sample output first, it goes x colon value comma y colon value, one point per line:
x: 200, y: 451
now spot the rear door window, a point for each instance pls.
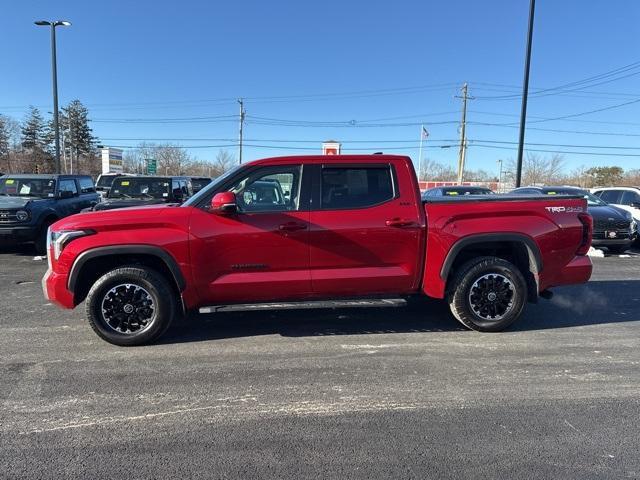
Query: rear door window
x: 355, y: 187
x: 68, y: 185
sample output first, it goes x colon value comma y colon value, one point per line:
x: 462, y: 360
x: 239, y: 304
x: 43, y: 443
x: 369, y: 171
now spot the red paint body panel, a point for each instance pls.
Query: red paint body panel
x: 244, y: 258
x: 396, y: 247
x: 356, y: 252
x: 557, y: 235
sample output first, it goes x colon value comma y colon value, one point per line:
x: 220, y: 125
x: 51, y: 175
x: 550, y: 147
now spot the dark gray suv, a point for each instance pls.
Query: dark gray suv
x: 30, y: 203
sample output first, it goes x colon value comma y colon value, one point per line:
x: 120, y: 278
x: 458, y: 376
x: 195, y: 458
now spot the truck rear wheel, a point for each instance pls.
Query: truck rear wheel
x: 487, y: 294
x: 131, y: 306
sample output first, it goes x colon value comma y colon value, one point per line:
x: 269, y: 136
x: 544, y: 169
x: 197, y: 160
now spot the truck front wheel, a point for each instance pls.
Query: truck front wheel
x: 487, y: 294
x: 131, y: 306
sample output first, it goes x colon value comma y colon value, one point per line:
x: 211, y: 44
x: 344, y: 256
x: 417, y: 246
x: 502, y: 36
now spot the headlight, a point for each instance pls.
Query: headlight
x: 22, y: 215
x: 61, y: 238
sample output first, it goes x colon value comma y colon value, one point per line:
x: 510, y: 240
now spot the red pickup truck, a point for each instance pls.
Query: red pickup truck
x: 309, y: 231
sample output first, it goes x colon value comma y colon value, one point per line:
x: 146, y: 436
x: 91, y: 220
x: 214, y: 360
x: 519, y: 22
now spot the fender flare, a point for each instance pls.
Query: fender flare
x: 533, y: 251
x: 112, y: 250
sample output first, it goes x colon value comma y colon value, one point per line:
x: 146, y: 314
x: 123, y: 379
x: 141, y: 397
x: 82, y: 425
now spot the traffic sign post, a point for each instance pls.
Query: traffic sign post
x: 152, y: 166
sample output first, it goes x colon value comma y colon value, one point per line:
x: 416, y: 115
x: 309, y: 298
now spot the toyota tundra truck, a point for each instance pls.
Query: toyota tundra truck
x: 315, y: 231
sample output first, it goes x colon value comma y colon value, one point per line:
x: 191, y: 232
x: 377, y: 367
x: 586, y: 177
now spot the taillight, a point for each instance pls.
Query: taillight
x: 587, y: 233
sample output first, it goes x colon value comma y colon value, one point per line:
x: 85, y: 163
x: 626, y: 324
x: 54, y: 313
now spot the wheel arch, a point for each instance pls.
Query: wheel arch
x: 93, y: 263
x: 519, y: 249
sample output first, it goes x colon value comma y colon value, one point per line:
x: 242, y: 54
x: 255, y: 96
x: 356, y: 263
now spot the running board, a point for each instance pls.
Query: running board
x: 246, y: 307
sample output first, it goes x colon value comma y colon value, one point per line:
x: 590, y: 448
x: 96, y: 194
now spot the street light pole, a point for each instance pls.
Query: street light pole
x: 525, y: 93
x: 54, y: 74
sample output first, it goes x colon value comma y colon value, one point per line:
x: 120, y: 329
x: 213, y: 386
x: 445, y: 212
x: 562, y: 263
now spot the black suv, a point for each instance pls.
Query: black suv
x: 142, y: 190
x: 30, y: 203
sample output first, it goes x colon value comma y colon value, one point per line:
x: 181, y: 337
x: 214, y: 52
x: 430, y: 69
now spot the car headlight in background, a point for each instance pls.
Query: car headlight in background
x: 22, y: 215
x: 61, y: 238
x: 632, y: 223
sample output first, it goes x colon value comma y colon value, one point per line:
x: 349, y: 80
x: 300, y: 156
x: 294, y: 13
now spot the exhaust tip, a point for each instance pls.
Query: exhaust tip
x: 546, y: 294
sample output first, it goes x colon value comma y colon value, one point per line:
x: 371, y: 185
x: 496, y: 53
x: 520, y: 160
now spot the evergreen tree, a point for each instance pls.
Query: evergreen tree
x: 78, y: 134
x: 33, y: 131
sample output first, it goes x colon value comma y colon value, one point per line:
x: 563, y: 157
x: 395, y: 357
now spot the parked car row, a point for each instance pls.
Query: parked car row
x: 30, y: 203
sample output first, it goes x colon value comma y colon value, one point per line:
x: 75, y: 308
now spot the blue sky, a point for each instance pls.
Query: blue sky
x: 335, y: 69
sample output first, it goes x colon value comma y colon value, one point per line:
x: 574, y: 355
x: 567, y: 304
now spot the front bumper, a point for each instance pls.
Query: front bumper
x: 54, y: 287
x: 18, y: 233
x: 605, y: 242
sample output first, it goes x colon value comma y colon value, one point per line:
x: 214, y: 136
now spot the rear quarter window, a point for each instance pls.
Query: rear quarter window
x: 610, y: 196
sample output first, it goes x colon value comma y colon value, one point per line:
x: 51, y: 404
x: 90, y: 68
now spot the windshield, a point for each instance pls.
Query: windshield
x: 593, y: 201
x: 28, y: 187
x: 105, y: 181
x: 212, y: 186
x: 140, y: 187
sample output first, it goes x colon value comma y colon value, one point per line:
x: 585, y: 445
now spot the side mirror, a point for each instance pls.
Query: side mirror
x: 224, y: 203
x: 635, y: 204
x: 66, y: 194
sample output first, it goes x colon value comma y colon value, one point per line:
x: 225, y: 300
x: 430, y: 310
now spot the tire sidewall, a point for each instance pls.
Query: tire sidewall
x: 469, y: 277
x: 153, y: 283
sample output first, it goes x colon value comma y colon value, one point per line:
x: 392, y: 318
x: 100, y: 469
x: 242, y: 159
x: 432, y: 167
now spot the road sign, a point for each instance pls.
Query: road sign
x: 331, y: 147
x: 152, y: 166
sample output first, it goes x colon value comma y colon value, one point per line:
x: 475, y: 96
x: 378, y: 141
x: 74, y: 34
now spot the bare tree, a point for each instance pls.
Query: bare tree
x: 632, y: 177
x: 170, y: 159
x: 224, y: 161
x: 539, y: 170
x: 435, y: 171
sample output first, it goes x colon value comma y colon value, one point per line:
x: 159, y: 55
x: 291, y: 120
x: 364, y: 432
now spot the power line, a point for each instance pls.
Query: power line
x: 584, y: 82
x: 563, y: 151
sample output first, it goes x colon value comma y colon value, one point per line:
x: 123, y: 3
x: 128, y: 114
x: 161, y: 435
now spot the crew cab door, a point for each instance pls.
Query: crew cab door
x: 260, y: 253
x: 365, y: 231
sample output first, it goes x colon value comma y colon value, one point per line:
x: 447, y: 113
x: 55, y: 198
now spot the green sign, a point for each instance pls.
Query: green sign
x: 152, y: 166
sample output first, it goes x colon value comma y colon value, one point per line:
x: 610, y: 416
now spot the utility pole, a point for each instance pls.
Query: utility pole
x: 463, y: 132
x: 242, y: 114
x: 525, y: 93
x: 54, y: 81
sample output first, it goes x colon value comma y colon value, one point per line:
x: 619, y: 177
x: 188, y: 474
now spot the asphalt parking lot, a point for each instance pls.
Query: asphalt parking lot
x: 390, y: 393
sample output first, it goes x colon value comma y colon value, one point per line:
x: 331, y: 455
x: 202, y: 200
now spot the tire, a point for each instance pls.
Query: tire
x: 131, y: 306
x: 618, y: 249
x: 487, y: 294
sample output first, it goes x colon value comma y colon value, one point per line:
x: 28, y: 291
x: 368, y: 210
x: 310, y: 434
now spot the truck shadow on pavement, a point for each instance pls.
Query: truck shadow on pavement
x: 594, y: 303
x: 20, y: 250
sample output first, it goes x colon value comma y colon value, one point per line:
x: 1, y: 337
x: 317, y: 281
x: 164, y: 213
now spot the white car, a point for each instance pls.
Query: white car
x: 627, y: 198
